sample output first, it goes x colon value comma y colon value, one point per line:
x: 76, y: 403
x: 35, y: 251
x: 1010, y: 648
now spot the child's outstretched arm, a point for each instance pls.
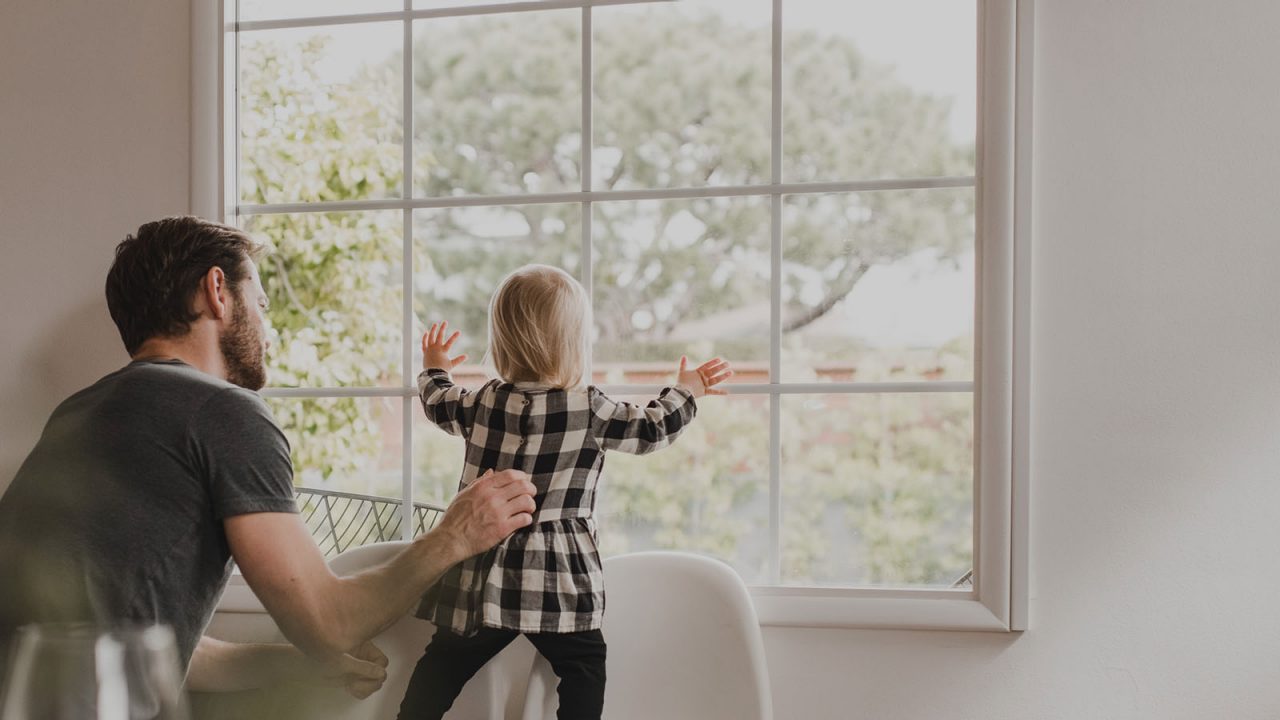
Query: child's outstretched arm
x: 448, y: 406
x: 639, y: 430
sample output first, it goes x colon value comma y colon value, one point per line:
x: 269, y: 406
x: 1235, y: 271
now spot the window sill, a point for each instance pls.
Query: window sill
x: 900, y: 609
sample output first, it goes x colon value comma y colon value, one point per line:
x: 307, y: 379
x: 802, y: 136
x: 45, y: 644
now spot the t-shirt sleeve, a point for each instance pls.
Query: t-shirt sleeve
x: 243, y: 454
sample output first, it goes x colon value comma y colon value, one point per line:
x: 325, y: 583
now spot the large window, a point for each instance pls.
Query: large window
x: 823, y: 193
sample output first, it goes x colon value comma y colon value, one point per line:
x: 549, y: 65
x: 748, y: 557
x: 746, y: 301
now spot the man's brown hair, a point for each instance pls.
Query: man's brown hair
x: 153, y: 280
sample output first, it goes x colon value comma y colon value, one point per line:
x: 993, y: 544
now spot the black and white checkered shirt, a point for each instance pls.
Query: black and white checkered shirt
x: 546, y: 577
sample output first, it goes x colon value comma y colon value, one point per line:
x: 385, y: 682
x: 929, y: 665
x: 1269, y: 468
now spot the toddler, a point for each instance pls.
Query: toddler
x: 545, y: 580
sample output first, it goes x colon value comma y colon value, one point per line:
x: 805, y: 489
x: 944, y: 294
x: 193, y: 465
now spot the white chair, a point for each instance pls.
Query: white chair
x: 495, y: 693
x: 684, y: 644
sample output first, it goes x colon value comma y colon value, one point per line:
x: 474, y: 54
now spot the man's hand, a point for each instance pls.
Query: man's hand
x: 435, y: 348
x: 703, y: 379
x: 484, y: 513
x: 361, y: 671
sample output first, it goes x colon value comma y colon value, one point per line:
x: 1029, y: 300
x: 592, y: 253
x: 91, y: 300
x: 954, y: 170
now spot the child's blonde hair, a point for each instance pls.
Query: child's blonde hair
x: 539, y: 321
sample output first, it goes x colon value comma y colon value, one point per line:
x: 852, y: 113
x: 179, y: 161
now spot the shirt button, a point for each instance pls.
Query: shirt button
x: 526, y: 401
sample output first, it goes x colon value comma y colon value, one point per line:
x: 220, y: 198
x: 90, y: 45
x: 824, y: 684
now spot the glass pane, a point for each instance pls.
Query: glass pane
x: 497, y: 104
x: 878, y: 286
x: 675, y: 277
x: 347, y: 466
x: 437, y: 455
x: 682, y: 94
x: 877, y: 489
x: 708, y: 493
x: 278, y: 9
x: 879, y: 89
x: 335, y: 284
x: 320, y: 114
x: 461, y: 254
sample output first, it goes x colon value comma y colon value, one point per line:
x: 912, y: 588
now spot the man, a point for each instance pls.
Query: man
x: 144, y: 486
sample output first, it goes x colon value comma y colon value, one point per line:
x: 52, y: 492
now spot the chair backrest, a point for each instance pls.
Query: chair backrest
x: 684, y: 643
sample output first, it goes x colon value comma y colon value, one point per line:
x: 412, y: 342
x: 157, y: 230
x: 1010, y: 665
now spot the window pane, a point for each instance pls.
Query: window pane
x: 437, y: 455
x: 878, y: 89
x: 277, y: 9
x: 682, y: 94
x: 497, y: 105
x: 461, y: 254
x: 320, y: 114
x: 334, y: 280
x: 707, y: 493
x: 878, y: 286
x: 675, y: 277
x: 877, y: 489
x: 347, y: 465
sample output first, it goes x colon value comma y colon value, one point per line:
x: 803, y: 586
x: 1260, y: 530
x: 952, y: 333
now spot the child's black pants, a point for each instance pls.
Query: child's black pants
x: 451, y: 660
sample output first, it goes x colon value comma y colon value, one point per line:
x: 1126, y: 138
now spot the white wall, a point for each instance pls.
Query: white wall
x: 94, y: 128
x: 1156, y: 420
x: 1157, y: 414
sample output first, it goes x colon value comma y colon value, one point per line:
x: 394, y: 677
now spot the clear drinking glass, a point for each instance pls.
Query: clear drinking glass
x: 88, y: 672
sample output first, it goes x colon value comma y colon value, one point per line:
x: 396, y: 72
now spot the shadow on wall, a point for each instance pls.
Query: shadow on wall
x: 71, y: 352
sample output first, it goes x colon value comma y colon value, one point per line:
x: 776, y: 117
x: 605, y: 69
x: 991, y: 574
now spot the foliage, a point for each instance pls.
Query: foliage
x: 332, y: 278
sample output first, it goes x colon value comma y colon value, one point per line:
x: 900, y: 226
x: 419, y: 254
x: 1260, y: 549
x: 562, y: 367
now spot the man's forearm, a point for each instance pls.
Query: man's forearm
x: 219, y: 666
x: 365, y: 604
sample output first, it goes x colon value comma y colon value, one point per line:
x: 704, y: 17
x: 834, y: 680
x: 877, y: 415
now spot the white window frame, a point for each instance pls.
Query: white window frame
x: 998, y: 598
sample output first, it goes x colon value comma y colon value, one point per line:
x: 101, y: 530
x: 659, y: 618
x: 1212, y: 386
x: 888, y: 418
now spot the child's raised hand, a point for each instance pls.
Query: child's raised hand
x: 703, y: 379
x: 435, y: 348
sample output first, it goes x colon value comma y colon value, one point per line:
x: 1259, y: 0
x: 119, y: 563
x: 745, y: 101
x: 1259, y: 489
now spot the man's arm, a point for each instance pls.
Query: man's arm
x: 220, y: 666
x: 326, y: 616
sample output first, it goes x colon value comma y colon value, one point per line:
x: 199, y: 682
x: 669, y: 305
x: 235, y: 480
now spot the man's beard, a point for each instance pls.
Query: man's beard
x: 242, y: 350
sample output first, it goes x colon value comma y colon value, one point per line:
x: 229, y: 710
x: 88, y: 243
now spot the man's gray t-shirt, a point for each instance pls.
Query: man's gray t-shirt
x: 116, y: 515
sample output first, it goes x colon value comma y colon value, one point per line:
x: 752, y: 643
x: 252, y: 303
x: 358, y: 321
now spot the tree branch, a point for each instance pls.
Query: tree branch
x: 283, y: 274
x: 690, y: 299
x: 617, y: 172
x: 841, y: 288
x: 706, y: 177
x: 535, y: 224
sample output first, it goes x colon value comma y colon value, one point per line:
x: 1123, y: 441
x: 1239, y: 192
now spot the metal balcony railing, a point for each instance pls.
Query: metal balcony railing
x: 341, y: 520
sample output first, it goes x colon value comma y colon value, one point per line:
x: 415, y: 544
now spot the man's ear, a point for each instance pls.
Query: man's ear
x: 214, y: 294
